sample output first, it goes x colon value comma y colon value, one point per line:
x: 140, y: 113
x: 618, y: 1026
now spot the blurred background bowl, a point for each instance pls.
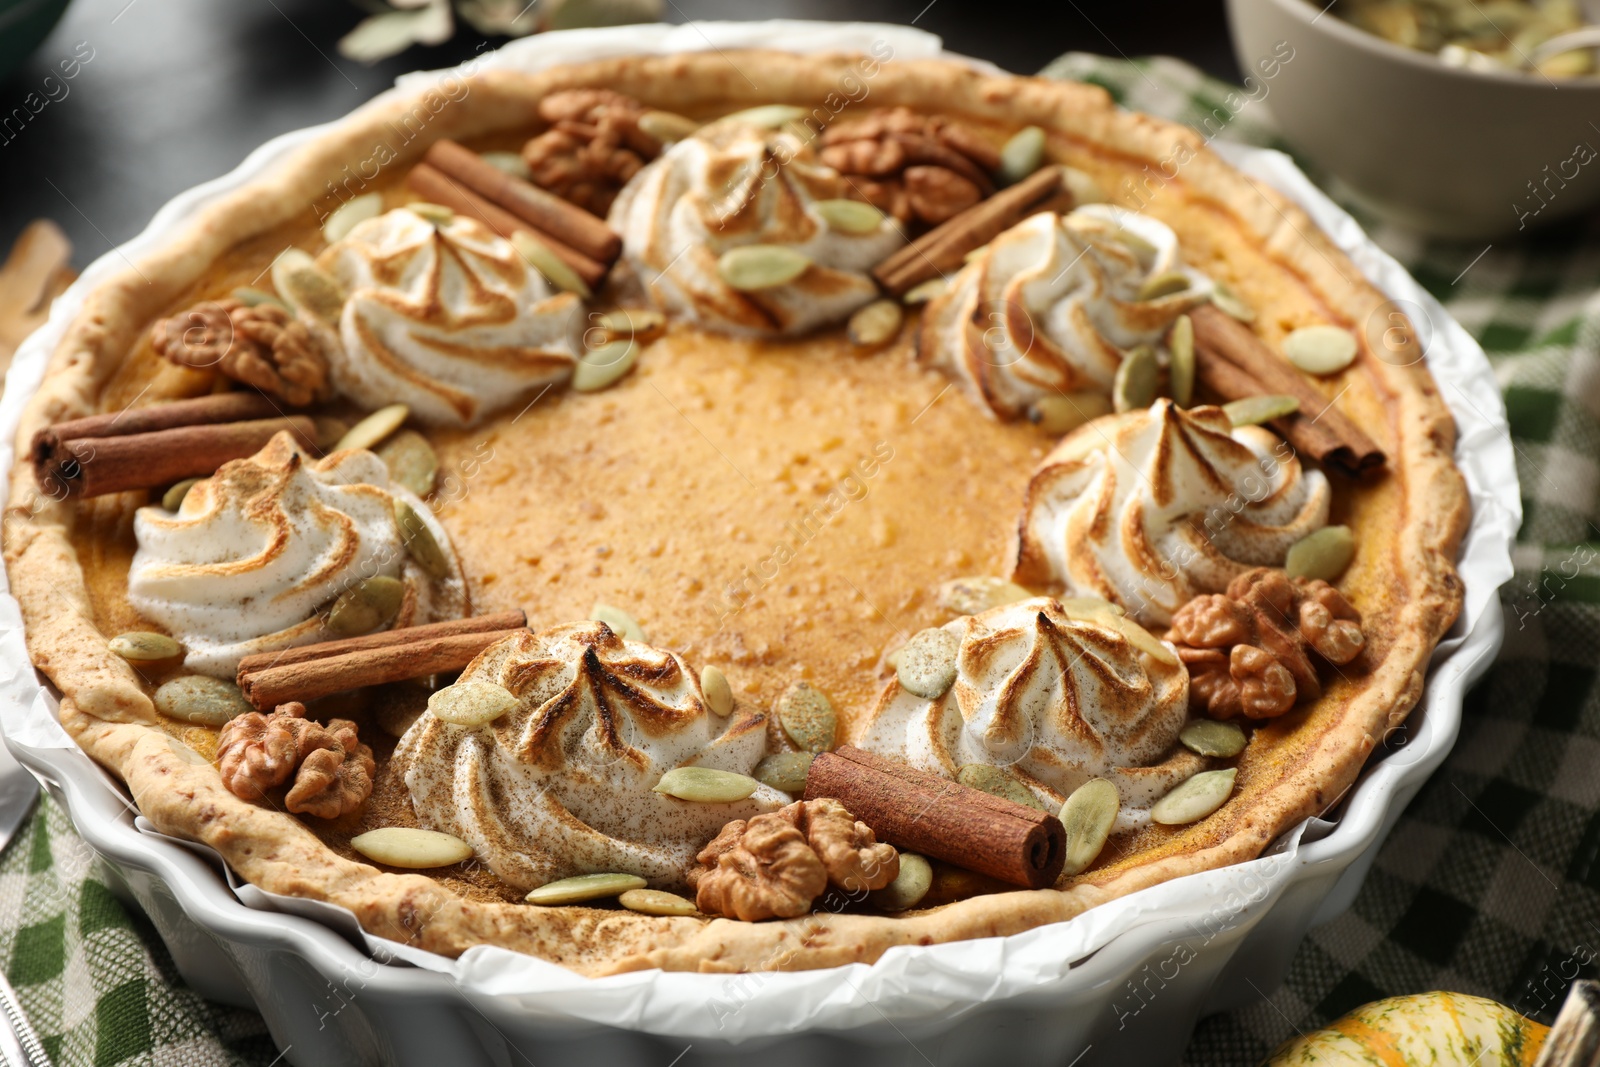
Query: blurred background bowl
x: 23, y: 24
x: 1450, y: 152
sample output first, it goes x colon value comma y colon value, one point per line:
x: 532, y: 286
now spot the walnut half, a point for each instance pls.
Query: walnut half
x: 775, y: 865
x: 331, y: 768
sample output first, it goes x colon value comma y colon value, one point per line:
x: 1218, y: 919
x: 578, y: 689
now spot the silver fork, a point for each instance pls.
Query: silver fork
x: 19, y: 1044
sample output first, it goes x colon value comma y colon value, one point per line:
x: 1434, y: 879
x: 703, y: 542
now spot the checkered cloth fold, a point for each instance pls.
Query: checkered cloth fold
x: 1490, y: 884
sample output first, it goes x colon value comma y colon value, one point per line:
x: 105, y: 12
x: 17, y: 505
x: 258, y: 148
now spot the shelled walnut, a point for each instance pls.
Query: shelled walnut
x: 775, y: 865
x: 914, y: 167
x: 332, y: 770
x: 594, y: 145
x: 1248, y: 650
x: 261, y: 345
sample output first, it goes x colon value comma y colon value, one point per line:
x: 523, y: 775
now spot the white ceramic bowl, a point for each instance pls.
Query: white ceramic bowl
x: 1451, y: 152
x: 1123, y: 983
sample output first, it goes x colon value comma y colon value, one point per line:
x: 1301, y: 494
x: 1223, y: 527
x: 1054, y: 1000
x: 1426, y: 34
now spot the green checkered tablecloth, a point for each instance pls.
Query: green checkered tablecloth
x: 1490, y: 884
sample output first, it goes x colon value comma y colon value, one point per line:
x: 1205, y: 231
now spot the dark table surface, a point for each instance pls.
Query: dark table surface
x: 179, y: 91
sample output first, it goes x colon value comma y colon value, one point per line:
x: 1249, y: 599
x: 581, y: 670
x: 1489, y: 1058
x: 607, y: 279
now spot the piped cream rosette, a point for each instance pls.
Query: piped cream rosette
x: 442, y: 315
x: 734, y: 185
x: 1054, y: 699
x: 1151, y: 508
x: 1049, y: 307
x: 256, y: 553
x: 563, y: 782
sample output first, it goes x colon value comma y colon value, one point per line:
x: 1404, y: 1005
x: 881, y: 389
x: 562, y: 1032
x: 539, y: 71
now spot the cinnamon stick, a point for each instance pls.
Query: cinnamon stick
x: 943, y: 248
x: 440, y: 188
x: 478, y: 624
x: 268, y: 687
x: 218, y: 407
x: 936, y: 817
x: 1232, y: 362
x: 94, y: 466
x: 545, y: 212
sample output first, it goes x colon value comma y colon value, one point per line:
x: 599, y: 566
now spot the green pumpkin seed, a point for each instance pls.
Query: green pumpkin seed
x: 656, y: 902
x: 366, y: 605
x: 769, y: 116
x: 1057, y: 415
x: 996, y: 781
x: 1083, y: 187
x: 508, y: 163
x: 306, y: 286
x: 411, y: 460
x: 1022, y: 154
x: 1135, y: 384
x: 1159, y: 285
x: 420, y: 542
x: 1088, y: 815
x: 970, y: 596
x: 437, y: 214
x: 411, y: 848
x: 718, y: 693
x: 250, y: 297
x: 1324, y: 554
x: 910, y: 885
x: 471, y: 703
x: 201, y: 700
x: 667, y: 126
x: 1229, y: 303
x: 1195, y: 798
x: 555, y: 270
x: 1320, y: 349
x: 374, y: 428
x: 621, y: 623
x: 750, y: 268
x: 1254, y: 410
x: 1142, y: 250
x: 785, y: 770
x: 975, y: 254
x: 641, y: 324
x: 584, y: 887
x: 876, y: 324
x: 706, y: 785
x: 807, y: 716
x: 350, y: 214
x: 849, y: 216
x: 1207, y: 737
x: 923, y: 292
x: 604, y: 365
x: 172, y: 499
x: 1140, y: 638
x: 1180, y: 371
x: 142, y: 646
x: 926, y: 666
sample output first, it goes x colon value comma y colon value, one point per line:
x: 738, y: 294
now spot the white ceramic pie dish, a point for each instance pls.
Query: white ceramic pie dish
x: 1123, y: 983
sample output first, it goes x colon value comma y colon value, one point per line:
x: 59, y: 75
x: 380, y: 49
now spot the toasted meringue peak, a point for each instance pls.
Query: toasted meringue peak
x: 445, y: 317
x: 1056, y: 699
x: 735, y: 184
x: 1151, y: 508
x: 562, y: 784
x: 1051, y: 304
x: 255, y: 551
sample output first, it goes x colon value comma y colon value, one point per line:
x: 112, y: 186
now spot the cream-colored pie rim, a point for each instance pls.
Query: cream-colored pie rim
x: 106, y: 710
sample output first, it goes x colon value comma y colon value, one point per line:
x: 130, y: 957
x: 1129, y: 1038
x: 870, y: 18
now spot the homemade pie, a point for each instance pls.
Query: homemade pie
x: 642, y: 518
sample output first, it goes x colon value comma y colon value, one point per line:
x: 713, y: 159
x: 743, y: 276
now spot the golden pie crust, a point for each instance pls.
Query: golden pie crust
x: 1408, y: 524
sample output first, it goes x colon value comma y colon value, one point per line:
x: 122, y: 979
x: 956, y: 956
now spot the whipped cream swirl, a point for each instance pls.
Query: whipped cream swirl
x: 735, y: 184
x: 447, y: 318
x: 257, y: 549
x: 562, y: 784
x: 1151, y: 508
x: 1051, y: 304
x: 1054, y: 699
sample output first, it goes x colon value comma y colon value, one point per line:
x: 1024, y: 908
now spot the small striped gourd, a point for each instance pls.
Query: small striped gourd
x: 1436, y: 1029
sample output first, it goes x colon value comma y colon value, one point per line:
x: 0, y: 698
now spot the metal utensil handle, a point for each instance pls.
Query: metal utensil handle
x: 1574, y: 1041
x: 21, y: 1027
